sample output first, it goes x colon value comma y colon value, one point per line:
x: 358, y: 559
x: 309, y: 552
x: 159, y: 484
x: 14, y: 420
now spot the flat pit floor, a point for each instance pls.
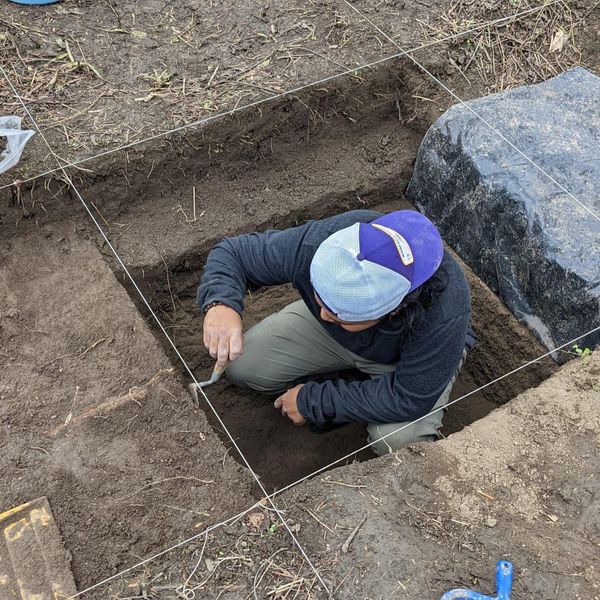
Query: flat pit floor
x: 93, y: 415
x: 93, y: 406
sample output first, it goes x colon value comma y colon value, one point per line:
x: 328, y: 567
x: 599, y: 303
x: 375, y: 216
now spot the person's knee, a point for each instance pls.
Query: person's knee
x: 244, y: 374
x: 238, y: 375
x: 390, y: 437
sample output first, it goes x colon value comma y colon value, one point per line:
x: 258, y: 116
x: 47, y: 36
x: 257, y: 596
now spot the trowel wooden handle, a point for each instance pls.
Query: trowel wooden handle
x: 219, y: 370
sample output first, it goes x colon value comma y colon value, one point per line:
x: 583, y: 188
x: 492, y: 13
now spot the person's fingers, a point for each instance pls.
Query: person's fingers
x: 213, y: 345
x: 223, y: 349
x: 277, y: 403
x: 284, y: 408
x: 235, y: 346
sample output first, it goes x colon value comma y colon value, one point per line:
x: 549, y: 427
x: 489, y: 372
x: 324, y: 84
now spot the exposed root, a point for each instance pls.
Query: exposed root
x: 134, y: 394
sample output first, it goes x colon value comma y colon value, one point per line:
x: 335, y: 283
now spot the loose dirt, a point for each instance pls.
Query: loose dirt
x: 520, y: 485
x: 95, y: 414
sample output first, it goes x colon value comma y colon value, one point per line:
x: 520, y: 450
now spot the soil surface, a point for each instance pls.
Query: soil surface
x: 520, y: 485
x: 100, y: 76
x: 123, y: 75
x: 94, y: 413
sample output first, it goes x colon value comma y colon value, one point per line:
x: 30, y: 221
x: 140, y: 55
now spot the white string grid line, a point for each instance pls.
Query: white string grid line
x: 168, y: 337
x: 260, y: 503
x: 274, y: 97
x: 473, y: 112
x: 350, y: 455
x: 567, y: 344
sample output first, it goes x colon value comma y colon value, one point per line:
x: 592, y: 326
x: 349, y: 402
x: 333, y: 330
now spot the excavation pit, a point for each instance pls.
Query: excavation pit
x: 343, y: 164
x: 314, y: 163
x: 137, y: 478
x: 281, y: 453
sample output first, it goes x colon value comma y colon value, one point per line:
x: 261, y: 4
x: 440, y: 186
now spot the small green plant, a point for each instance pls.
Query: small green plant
x: 583, y: 353
x: 159, y: 79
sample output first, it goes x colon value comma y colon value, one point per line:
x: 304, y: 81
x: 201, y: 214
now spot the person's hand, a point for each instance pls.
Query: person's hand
x: 288, y: 405
x: 222, y: 331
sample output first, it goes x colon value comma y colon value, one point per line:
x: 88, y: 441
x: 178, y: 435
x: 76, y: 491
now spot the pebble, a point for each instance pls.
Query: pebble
x: 491, y: 522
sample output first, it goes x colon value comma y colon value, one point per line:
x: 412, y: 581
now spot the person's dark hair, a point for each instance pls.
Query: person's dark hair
x: 415, y: 304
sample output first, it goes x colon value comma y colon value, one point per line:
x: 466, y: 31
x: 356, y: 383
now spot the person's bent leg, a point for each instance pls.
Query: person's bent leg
x: 284, y: 347
x: 389, y: 437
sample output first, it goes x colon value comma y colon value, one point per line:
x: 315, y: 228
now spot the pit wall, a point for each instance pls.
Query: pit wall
x: 231, y: 145
x: 351, y: 145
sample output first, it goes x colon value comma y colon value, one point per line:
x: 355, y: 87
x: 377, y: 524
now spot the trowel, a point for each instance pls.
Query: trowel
x: 215, y: 376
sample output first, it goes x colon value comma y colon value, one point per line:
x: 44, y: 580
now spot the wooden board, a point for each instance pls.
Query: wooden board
x: 33, y: 562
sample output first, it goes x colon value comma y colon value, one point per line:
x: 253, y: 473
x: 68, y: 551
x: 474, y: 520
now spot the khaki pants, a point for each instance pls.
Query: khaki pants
x: 292, y: 343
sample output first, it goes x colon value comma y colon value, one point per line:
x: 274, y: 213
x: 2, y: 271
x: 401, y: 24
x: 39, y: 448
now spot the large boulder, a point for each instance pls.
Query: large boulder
x: 533, y: 243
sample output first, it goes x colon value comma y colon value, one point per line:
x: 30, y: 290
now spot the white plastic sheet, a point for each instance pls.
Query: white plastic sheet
x: 16, y: 138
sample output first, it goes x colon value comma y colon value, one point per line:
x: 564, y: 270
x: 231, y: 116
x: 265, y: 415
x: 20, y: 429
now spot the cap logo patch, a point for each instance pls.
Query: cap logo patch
x: 404, y: 251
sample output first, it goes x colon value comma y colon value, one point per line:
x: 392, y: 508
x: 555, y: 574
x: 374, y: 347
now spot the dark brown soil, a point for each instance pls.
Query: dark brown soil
x: 92, y: 412
x: 93, y: 415
x: 139, y: 73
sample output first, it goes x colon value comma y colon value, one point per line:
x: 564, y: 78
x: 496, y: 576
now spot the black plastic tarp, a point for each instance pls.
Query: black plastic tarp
x: 532, y: 236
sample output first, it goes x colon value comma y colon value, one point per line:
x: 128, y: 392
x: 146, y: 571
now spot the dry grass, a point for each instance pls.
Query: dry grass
x: 101, y: 78
x: 105, y: 77
x: 250, y: 561
x: 524, y: 51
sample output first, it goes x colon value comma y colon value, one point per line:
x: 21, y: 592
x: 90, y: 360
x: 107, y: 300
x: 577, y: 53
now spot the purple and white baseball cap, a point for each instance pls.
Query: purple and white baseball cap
x: 364, y: 271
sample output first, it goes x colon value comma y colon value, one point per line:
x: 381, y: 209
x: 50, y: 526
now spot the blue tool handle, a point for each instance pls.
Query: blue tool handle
x: 35, y: 2
x: 504, y: 576
x: 459, y: 594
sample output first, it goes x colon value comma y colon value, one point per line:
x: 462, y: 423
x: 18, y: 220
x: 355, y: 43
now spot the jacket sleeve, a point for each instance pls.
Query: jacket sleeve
x: 248, y: 262
x: 405, y: 394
